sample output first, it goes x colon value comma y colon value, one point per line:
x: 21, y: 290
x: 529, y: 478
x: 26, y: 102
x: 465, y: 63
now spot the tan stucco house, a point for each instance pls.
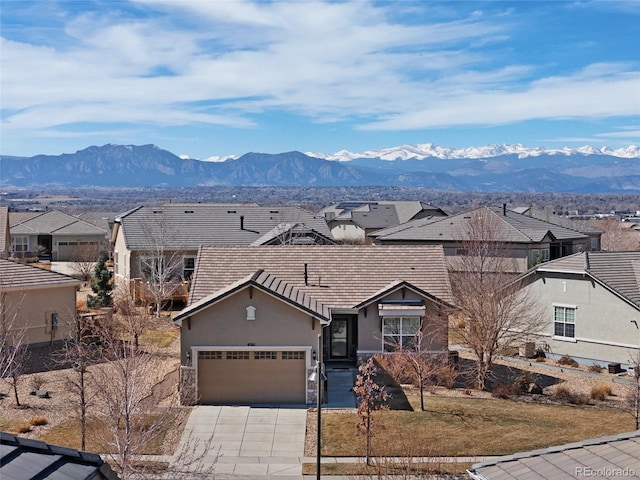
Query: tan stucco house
x: 41, y: 302
x: 250, y: 331
x: 592, y: 303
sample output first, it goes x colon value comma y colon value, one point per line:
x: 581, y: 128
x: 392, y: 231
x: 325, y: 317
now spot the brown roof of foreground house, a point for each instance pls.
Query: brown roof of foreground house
x: 616, y: 456
x: 18, y: 276
x: 617, y: 271
x: 340, y: 276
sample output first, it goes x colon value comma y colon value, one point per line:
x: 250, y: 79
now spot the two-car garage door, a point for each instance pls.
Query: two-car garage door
x: 252, y: 376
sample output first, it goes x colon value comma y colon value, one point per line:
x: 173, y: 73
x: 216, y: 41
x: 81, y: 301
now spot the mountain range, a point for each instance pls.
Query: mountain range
x: 491, y: 168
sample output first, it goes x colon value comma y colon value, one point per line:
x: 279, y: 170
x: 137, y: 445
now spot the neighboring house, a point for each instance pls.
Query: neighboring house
x: 28, y: 459
x: 616, y: 456
x: 592, y: 302
x: 180, y: 229
x: 583, y: 226
x: 527, y: 240
x: 41, y: 302
x: 5, y: 238
x: 250, y: 332
x: 104, y: 220
x: 352, y: 222
x: 57, y: 236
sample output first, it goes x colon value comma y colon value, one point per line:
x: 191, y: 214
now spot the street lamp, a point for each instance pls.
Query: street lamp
x: 318, y: 377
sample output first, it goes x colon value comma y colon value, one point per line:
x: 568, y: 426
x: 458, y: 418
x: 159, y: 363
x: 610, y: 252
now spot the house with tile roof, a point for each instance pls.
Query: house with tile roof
x: 527, y: 240
x: 250, y: 331
x: 610, y: 457
x: 38, y: 302
x: 180, y: 230
x: 28, y: 459
x: 592, y: 303
x: 57, y: 236
x: 353, y: 221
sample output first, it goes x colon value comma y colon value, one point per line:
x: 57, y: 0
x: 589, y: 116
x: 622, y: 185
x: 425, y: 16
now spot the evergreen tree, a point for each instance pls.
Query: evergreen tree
x: 101, y: 286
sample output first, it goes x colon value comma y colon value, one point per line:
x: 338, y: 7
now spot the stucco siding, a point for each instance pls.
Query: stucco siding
x: 604, y: 327
x: 31, y: 307
x: 225, y: 323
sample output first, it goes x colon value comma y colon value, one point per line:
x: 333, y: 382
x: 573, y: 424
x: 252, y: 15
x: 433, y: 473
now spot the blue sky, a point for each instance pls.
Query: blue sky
x: 215, y: 77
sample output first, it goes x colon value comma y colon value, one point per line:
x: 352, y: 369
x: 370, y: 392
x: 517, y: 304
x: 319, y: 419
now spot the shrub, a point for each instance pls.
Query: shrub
x: 601, y: 391
x: 568, y: 361
x: 563, y: 393
x: 541, y: 359
x: 23, y: 427
x: 501, y: 390
x: 38, y: 421
x: 36, y: 382
x: 595, y: 368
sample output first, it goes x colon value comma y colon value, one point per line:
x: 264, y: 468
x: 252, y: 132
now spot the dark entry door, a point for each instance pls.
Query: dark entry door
x: 339, y: 339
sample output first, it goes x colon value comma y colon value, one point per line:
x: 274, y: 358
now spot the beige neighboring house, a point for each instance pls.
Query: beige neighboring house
x: 353, y: 221
x: 5, y: 238
x: 592, y: 303
x: 180, y: 229
x: 56, y: 236
x: 250, y: 331
x: 37, y: 300
x: 528, y: 240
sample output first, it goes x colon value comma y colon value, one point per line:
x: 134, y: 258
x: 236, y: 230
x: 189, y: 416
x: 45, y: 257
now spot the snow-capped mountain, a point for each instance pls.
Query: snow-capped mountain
x: 430, y: 150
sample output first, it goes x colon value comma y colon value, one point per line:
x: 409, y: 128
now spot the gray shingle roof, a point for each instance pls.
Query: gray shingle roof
x: 582, y: 226
x: 18, y: 276
x: 517, y: 228
x: 618, y: 271
x: 340, y: 276
x: 270, y: 284
x: 188, y: 226
x: 25, y: 459
x: 616, y: 456
x: 381, y: 214
x: 55, y: 222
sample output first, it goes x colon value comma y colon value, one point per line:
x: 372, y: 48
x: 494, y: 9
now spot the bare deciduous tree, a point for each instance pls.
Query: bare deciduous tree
x: 162, y: 261
x: 13, y: 348
x: 371, y: 397
x: 617, y: 236
x: 131, y: 318
x: 633, y: 397
x: 83, y: 260
x: 495, y: 314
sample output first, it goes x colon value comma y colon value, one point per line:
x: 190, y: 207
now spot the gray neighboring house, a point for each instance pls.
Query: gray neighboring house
x: 5, y: 238
x: 616, y: 456
x: 353, y: 221
x: 592, y: 302
x: 529, y: 239
x: 582, y: 226
x: 250, y: 331
x: 27, y: 459
x: 57, y: 236
x: 183, y: 228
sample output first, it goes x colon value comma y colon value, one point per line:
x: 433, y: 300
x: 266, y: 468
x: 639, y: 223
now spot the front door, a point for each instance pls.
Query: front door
x: 340, y: 340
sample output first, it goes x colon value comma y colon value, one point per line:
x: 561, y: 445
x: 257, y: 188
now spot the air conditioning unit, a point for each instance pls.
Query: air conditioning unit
x: 631, y: 370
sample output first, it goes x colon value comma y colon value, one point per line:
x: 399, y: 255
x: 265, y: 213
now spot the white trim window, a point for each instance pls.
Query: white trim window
x: 20, y: 244
x: 564, y: 321
x: 399, y: 333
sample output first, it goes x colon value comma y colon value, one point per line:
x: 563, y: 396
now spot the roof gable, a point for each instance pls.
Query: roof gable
x: 57, y: 222
x: 269, y: 284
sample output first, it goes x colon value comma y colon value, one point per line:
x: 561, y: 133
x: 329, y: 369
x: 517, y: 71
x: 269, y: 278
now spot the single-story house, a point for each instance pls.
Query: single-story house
x: 58, y: 236
x: 610, y: 457
x: 353, y: 221
x: 592, y: 302
x: 178, y: 230
x: 527, y: 240
x: 250, y: 333
x: 41, y: 302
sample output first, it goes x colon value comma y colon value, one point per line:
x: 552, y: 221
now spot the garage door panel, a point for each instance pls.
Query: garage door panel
x: 252, y: 377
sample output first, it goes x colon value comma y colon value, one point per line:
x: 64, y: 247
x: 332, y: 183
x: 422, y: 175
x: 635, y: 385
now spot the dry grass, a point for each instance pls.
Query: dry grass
x: 601, y: 391
x: 382, y: 469
x: 473, y: 426
x: 38, y: 421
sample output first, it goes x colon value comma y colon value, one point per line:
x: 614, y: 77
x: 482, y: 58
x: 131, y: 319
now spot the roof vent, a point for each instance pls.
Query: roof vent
x: 157, y: 211
x: 188, y: 211
x: 231, y: 211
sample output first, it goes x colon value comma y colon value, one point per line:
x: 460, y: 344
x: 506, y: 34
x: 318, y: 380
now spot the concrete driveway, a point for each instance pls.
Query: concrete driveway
x: 251, y: 440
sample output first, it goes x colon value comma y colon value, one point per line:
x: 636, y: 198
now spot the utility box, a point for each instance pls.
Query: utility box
x: 614, y: 368
x: 527, y: 350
